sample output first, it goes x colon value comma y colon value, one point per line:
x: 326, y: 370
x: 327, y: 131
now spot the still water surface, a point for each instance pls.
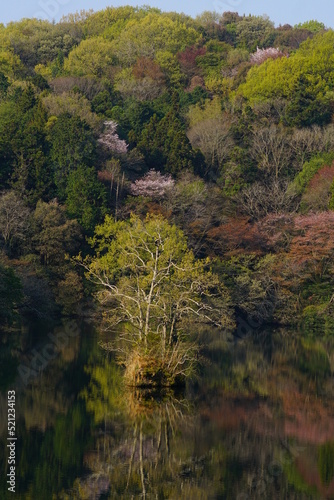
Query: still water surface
x: 257, y: 423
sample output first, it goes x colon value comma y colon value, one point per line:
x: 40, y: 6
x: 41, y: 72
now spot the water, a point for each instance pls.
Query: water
x: 258, y: 422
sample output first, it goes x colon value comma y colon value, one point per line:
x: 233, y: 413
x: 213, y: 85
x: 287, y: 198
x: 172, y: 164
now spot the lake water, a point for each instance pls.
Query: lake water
x: 258, y: 421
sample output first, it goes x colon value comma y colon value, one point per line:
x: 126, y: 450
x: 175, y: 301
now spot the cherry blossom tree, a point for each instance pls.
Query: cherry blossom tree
x: 110, y: 139
x: 262, y: 55
x: 153, y: 185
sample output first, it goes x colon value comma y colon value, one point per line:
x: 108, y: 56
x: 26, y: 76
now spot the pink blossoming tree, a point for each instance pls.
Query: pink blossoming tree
x: 153, y: 185
x: 110, y: 139
x: 262, y: 55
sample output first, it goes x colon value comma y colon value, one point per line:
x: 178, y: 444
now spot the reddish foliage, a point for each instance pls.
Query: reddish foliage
x: 312, y: 248
x: 235, y: 236
x: 104, y: 175
x: 325, y: 174
x: 146, y: 67
x: 306, y: 419
x: 196, y: 81
x: 187, y: 59
x: 318, y: 193
x: 309, y: 471
x: 276, y: 230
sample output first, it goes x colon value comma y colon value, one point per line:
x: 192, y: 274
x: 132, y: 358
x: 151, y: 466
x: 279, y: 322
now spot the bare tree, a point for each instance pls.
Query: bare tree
x: 259, y: 199
x: 213, y: 137
x: 14, y: 219
x: 308, y: 141
x: 271, y: 150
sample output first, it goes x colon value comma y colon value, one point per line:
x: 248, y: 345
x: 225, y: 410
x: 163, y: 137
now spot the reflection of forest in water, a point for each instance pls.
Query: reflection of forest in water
x: 257, y: 423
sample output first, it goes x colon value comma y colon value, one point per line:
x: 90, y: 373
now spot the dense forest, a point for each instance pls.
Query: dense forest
x: 211, y: 139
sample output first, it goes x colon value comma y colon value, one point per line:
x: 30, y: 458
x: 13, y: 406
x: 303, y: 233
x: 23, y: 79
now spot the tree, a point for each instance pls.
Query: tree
x: 14, y: 219
x: 72, y: 144
x: 310, y: 168
x: 308, y: 106
x: 152, y: 33
x: 305, y: 143
x: 312, y: 25
x: 93, y: 57
x: 234, y: 237
x: 32, y: 175
x: 254, y: 30
x: 165, y: 145
x: 304, y: 79
x: 213, y: 137
x: 188, y: 62
x: 318, y: 194
x: 86, y: 197
x: 54, y: 234
x: 270, y: 149
x: 260, y: 199
x: 74, y: 104
x: 153, y: 184
x: 110, y: 140
x: 262, y: 55
x: 312, y: 248
x: 150, y: 283
x: 196, y: 207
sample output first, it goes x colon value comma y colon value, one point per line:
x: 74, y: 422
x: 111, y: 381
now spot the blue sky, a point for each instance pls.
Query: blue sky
x: 281, y: 12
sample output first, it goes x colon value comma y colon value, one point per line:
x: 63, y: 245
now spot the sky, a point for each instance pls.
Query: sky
x: 279, y: 11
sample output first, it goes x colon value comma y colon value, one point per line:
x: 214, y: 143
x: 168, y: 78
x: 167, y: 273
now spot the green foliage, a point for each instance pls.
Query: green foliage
x: 307, y: 105
x: 38, y: 42
x: 185, y: 97
x: 305, y: 79
x: 102, y: 103
x: 72, y: 144
x: 9, y: 123
x: 215, y: 57
x: 165, y: 145
x: 74, y: 104
x: 150, y: 35
x: 93, y: 57
x: 150, y: 283
x: 86, y: 197
x: 313, y: 26
x: 54, y: 235
x: 326, y: 462
x: 313, y: 359
x: 310, y: 168
x: 110, y: 21
x: 253, y: 31
x: 4, y: 84
x: 313, y: 321
x: 297, y: 481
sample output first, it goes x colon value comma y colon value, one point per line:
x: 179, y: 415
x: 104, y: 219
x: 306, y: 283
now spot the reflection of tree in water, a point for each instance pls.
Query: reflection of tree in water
x: 235, y: 444
x: 146, y: 443
x: 155, y: 447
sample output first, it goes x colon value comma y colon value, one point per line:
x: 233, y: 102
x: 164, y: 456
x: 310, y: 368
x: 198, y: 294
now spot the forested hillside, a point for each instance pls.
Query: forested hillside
x: 220, y: 125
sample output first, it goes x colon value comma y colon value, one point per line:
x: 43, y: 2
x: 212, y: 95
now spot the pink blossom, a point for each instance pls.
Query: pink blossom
x: 111, y: 140
x: 153, y: 184
x: 262, y: 55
